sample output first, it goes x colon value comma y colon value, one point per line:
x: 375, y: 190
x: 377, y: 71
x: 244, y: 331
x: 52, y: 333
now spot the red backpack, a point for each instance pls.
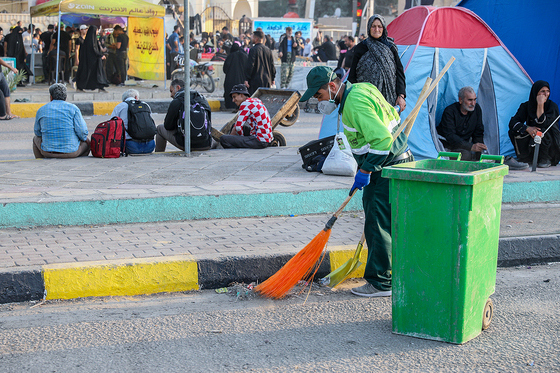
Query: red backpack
x: 108, y: 139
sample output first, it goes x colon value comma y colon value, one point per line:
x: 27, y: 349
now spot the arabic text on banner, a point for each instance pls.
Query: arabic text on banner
x: 146, y: 48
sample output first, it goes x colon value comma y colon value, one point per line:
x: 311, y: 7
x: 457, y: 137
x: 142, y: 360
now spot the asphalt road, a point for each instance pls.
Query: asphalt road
x: 331, y: 332
x: 16, y: 135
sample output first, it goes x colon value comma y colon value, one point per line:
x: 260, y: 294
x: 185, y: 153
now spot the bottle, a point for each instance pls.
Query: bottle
x: 398, y: 108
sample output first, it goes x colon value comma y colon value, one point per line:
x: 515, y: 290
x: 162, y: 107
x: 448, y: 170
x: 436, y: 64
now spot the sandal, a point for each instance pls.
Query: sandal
x: 6, y: 117
x: 12, y: 116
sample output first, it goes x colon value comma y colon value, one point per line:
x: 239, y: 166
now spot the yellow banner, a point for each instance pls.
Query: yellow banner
x: 146, y: 48
x: 122, y: 8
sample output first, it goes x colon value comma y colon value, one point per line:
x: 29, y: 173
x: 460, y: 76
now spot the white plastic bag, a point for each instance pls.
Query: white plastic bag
x: 340, y: 160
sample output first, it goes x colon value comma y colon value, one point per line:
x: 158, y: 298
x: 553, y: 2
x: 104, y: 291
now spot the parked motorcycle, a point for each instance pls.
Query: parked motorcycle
x: 200, y: 73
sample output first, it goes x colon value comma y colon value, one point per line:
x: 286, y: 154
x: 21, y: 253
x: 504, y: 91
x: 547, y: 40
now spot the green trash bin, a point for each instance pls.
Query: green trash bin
x: 445, y: 230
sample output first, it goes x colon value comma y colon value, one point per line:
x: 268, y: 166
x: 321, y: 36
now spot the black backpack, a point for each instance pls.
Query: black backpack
x: 201, y: 128
x: 141, y: 126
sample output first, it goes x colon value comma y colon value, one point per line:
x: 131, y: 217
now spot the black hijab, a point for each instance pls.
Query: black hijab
x: 235, y: 47
x: 532, y: 109
x: 91, y: 44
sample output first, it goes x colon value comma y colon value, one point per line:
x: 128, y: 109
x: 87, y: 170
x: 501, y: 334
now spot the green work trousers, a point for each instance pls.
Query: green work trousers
x: 377, y: 230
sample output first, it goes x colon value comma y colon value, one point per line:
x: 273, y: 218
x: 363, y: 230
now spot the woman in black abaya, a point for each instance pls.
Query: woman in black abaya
x: 16, y: 49
x: 91, y: 74
x: 234, y: 67
x: 537, y: 114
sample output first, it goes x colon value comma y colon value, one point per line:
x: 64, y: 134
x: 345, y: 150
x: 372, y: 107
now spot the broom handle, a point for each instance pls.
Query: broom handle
x: 412, y: 116
x: 337, y: 213
x: 333, y: 218
x: 404, y: 124
x: 424, y: 89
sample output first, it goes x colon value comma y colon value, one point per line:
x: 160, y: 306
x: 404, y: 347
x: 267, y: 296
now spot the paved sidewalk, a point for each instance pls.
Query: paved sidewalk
x: 218, y: 238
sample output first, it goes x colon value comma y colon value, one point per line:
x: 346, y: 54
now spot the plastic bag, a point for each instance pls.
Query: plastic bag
x: 340, y: 160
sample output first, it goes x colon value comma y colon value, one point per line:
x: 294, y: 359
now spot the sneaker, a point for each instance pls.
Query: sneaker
x: 368, y: 290
x: 514, y: 164
x: 544, y: 164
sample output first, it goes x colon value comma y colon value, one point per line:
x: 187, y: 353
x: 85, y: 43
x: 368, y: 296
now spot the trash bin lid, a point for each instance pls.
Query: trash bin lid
x: 446, y: 172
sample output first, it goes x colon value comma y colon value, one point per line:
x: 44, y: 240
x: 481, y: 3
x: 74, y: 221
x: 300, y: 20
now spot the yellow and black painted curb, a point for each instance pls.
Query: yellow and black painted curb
x: 29, y: 109
x: 149, y: 275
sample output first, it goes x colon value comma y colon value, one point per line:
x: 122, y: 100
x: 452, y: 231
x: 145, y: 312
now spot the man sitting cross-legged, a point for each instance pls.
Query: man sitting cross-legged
x: 60, y: 129
x: 254, y: 115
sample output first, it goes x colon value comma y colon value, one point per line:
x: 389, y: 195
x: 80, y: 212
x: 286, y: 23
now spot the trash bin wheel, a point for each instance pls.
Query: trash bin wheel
x: 278, y: 140
x: 488, y: 313
x: 290, y: 119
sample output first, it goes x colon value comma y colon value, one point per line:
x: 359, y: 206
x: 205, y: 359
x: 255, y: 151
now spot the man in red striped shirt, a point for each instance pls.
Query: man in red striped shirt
x: 253, y: 128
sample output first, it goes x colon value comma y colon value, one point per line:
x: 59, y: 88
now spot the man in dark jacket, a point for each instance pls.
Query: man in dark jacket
x: 169, y: 130
x: 461, y: 126
x: 260, y: 70
x: 326, y: 51
x: 287, y: 51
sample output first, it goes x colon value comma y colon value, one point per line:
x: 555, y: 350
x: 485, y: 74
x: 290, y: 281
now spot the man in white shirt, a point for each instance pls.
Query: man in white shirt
x: 307, y: 48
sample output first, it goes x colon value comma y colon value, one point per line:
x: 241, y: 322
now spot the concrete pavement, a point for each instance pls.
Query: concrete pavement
x: 159, y: 223
x: 165, y: 222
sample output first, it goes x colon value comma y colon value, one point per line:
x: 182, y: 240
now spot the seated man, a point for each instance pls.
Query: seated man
x: 253, y: 112
x: 461, y: 126
x: 463, y: 132
x: 60, y: 129
x: 133, y: 145
x: 169, y: 130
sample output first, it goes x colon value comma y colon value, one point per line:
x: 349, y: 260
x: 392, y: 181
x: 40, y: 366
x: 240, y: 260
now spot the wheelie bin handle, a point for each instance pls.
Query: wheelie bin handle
x: 449, y: 155
x: 498, y: 158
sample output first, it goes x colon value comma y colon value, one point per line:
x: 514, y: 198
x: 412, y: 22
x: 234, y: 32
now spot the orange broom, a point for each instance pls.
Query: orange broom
x: 304, y: 264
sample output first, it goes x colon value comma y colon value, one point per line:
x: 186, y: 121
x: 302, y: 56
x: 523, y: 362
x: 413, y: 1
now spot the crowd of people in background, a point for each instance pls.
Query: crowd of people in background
x: 105, y: 51
x: 92, y: 57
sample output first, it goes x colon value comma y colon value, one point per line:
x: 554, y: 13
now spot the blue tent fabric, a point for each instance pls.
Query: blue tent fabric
x: 531, y: 32
x: 499, y: 81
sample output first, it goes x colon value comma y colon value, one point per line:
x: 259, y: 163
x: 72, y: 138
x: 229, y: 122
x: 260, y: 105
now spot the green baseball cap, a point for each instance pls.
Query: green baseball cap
x: 316, y: 78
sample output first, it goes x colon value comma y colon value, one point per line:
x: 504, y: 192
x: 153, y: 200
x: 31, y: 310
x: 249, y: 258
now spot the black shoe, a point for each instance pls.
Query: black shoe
x: 120, y: 85
x: 544, y: 164
x: 102, y: 90
x: 514, y: 164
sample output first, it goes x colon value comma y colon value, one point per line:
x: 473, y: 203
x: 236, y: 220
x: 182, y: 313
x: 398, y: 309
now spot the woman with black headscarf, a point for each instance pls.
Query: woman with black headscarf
x: 533, y: 116
x: 376, y: 60
x: 16, y: 49
x: 234, y: 66
x: 91, y: 74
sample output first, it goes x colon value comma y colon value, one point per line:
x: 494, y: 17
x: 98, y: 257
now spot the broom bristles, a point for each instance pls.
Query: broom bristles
x: 300, y: 266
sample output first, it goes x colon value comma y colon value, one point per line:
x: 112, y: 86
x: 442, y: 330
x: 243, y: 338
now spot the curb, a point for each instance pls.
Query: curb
x: 188, y: 207
x: 28, y: 110
x: 184, y: 273
x: 183, y: 207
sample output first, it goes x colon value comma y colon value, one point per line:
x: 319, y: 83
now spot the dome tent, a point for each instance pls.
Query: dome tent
x: 427, y: 37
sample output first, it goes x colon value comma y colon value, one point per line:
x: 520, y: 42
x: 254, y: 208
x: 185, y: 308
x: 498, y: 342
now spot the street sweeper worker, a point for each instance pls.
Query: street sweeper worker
x: 369, y: 122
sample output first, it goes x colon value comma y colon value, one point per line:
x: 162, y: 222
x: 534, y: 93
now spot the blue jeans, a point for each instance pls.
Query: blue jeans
x: 134, y: 147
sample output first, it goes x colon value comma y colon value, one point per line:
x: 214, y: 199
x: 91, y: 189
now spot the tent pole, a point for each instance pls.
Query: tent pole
x: 187, y: 65
x: 58, y: 45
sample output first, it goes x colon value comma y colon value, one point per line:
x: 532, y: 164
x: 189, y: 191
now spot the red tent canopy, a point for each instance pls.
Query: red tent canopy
x: 443, y: 27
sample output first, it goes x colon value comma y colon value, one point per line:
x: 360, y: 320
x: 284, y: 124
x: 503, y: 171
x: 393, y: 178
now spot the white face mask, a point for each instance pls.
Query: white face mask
x: 327, y: 107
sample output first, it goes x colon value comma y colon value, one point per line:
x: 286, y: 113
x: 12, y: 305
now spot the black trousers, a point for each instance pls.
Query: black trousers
x: 120, y: 63
x: 233, y: 141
